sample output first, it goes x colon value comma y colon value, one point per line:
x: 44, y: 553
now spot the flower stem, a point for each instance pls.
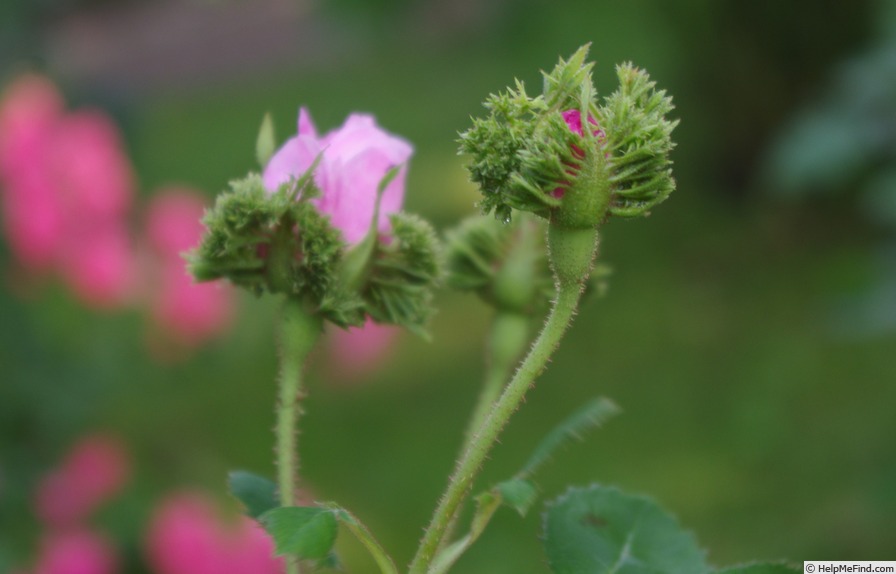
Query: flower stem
x: 298, y: 332
x: 507, y: 340
x: 576, y: 250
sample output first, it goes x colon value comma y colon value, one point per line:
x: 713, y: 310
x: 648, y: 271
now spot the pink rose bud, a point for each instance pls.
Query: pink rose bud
x: 76, y: 552
x: 187, y: 537
x: 355, y: 159
x: 94, y: 471
x: 573, y: 119
x: 191, y: 312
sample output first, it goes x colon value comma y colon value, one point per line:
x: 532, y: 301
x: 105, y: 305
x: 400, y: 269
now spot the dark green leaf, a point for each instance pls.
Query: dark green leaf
x: 306, y: 532
x: 600, y: 530
x: 257, y: 493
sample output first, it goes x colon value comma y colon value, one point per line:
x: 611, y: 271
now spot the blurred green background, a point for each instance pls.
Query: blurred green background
x: 748, y: 333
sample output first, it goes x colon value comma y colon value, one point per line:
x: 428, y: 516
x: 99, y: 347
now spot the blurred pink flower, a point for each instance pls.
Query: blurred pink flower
x: 89, y: 167
x: 32, y: 218
x: 67, y: 187
x: 93, y: 471
x: 186, y: 537
x: 100, y: 266
x: 191, y: 312
x: 359, y: 350
x: 355, y: 159
x: 76, y: 552
x: 29, y: 110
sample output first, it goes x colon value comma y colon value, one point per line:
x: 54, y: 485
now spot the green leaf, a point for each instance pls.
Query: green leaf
x: 601, y: 530
x: 592, y: 415
x: 258, y: 494
x: 306, y: 532
x: 518, y: 494
x: 266, y: 144
x: 764, y: 568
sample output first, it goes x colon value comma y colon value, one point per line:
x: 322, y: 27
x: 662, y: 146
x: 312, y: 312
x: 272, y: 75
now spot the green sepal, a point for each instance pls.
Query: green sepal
x: 638, y: 141
x: 277, y: 243
x: 358, y: 259
x: 761, y: 568
x: 266, y: 142
x: 257, y: 494
x: 601, y: 530
x: 505, y: 264
x: 306, y: 532
x: 403, y: 273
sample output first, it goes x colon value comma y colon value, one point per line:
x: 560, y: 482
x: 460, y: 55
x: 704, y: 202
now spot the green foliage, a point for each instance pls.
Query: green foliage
x: 524, y: 152
x: 518, y: 494
x: 601, y: 530
x: 258, y: 494
x: 301, y: 531
x: 592, y: 415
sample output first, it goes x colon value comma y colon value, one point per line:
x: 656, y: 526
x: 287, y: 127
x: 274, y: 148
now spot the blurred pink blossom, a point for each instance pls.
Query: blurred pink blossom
x: 93, y: 471
x: 99, y: 265
x: 67, y: 187
x: 29, y: 110
x: 355, y: 159
x: 191, y: 312
x: 187, y: 537
x: 92, y: 172
x: 76, y: 552
x: 359, y: 350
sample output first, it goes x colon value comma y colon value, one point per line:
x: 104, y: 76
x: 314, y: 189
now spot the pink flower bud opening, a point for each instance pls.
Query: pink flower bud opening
x: 573, y: 119
x: 355, y: 159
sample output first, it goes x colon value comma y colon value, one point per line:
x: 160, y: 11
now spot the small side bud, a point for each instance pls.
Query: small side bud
x: 506, y: 265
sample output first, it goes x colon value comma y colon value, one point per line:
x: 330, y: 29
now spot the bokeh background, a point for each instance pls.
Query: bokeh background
x: 749, y: 333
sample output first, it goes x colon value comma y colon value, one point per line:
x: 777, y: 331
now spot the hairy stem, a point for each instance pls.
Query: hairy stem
x: 507, y: 341
x: 298, y: 332
x: 468, y: 466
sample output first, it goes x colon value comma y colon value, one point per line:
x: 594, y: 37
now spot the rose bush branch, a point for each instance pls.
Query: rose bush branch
x: 534, y: 155
x: 321, y: 228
